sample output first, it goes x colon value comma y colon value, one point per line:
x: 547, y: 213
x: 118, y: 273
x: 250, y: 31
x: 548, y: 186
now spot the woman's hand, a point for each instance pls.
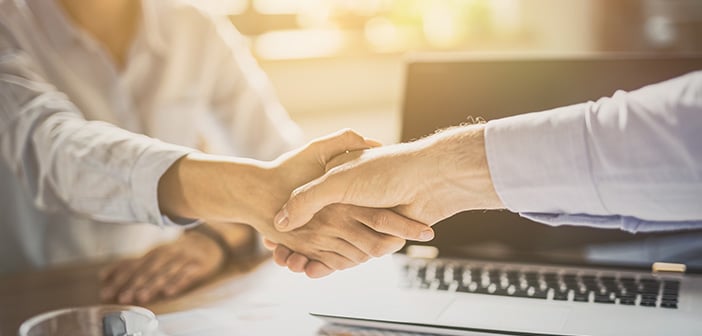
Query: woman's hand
x: 248, y: 191
x: 165, y: 271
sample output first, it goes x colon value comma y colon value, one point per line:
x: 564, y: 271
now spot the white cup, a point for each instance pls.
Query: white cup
x: 103, y: 320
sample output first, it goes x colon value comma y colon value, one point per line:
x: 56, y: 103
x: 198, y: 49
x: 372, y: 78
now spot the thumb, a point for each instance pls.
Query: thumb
x: 309, y: 199
x: 345, y: 140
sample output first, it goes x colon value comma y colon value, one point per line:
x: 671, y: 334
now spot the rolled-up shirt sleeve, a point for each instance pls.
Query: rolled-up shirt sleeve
x: 632, y: 161
x: 93, y: 168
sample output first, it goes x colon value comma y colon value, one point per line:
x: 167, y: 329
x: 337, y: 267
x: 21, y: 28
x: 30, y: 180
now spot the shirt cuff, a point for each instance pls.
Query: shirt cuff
x: 147, y: 171
x: 625, y: 223
x: 539, y: 162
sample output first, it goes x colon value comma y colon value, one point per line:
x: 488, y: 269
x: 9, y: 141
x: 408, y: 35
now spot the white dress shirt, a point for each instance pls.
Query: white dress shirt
x: 632, y: 161
x: 73, y: 160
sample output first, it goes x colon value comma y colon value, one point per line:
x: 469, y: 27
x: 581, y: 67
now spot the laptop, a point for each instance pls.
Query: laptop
x: 498, y: 273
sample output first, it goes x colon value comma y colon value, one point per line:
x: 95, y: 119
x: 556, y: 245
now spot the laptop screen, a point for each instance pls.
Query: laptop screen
x: 446, y: 90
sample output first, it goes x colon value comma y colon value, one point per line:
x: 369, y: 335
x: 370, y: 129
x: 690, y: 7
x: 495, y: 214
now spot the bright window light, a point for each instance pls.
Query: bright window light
x: 299, y: 44
x: 277, y: 7
x: 222, y: 7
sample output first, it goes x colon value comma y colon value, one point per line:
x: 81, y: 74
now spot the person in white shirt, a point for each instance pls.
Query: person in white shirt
x: 82, y: 85
x: 631, y: 162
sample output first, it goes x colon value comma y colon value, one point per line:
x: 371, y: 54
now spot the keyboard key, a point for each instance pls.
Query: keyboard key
x: 604, y: 299
x: 550, y: 276
x: 627, y: 301
x: 560, y: 296
x: 669, y: 298
x: 628, y: 291
x: 649, y: 297
x: 501, y: 292
x: 520, y: 293
x: 673, y: 305
x: 627, y: 280
x: 647, y: 303
x: 580, y: 297
x: 539, y: 294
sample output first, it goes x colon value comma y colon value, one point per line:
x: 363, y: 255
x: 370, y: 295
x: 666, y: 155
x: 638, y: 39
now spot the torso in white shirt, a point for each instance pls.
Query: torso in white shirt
x: 168, y: 89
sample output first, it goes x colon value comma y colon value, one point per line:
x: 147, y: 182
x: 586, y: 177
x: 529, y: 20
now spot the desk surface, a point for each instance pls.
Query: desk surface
x: 256, y: 298
x: 26, y: 294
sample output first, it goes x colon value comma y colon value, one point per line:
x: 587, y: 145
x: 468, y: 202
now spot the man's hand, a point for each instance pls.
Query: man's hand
x: 341, y: 236
x: 165, y: 271
x: 248, y: 191
x: 427, y: 180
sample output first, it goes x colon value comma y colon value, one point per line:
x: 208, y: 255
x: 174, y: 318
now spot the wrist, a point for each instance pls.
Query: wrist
x: 463, y: 165
x: 209, y: 242
x: 215, y: 188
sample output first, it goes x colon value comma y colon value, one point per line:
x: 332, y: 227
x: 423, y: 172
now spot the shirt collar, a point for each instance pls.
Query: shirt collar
x: 152, y: 27
x: 61, y: 31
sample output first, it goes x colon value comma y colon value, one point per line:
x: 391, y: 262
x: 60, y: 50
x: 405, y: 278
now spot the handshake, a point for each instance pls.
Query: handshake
x: 339, y: 200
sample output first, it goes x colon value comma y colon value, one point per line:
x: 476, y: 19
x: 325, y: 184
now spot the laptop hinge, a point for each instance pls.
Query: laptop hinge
x: 659, y: 267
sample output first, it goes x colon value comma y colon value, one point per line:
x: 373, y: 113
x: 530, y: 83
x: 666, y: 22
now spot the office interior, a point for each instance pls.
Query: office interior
x: 341, y: 64
x: 351, y: 53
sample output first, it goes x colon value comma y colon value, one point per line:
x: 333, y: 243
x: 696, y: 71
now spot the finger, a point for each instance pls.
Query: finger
x: 373, y: 143
x: 110, y: 271
x: 269, y: 244
x: 342, y: 158
x: 153, y: 288
x: 316, y: 269
x: 161, y: 282
x: 349, y: 250
x: 297, y: 262
x: 393, y: 224
x: 308, y: 199
x: 127, y: 294
x: 281, y: 255
x: 152, y: 266
x: 185, y: 279
x: 119, y: 276
x: 333, y: 260
x: 345, y: 140
x: 376, y: 244
x: 367, y: 240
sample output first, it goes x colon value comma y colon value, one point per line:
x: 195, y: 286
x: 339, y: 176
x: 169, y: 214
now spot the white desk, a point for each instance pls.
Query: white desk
x: 269, y: 301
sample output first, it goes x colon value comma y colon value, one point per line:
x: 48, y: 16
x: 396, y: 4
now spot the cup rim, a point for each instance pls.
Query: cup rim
x: 32, y: 321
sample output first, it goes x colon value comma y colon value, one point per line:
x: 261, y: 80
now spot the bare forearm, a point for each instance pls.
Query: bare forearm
x: 462, y: 159
x: 214, y: 188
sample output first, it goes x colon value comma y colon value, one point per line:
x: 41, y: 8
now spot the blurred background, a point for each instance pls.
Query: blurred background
x: 339, y: 63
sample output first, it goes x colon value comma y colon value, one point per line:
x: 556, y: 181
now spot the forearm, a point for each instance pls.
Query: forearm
x: 462, y: 162
x: 215, y: 188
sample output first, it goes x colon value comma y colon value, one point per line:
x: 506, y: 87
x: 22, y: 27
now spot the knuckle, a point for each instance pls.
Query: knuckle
x: 396, y: 244
x: 378, y: 249
x: 351, y: 136
x: 348, y: 132
x: 333, y: 261
x: 345, y: 263
x: 298, y: 194
x: 316, y: 241
x: 380, y: 220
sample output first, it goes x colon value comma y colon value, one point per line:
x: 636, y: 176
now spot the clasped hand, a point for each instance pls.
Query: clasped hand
x: 423, y: 181
x: 338, y: 236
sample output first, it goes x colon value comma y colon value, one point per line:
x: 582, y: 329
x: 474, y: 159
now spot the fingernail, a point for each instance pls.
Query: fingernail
x: 281, y: 219
x: 426, y: 235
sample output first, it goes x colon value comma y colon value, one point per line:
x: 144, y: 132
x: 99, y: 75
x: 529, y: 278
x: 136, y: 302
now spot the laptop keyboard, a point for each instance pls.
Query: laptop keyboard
x: 644, y: 291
